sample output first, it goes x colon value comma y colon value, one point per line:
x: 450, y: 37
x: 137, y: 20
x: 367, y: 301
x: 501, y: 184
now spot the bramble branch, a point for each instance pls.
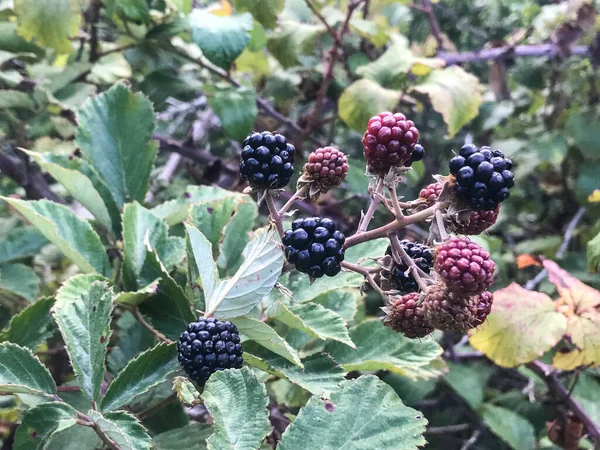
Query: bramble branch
x: 527, y: 51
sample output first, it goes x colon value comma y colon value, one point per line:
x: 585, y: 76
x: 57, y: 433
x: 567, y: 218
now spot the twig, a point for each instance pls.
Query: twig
x: 396, y: 205
x: 330, y: 30
x: 440, y: 224
x: 68, y: 388
x: 367, y: 274
x: 412, y: 266
x: 151, y: 410
x: 375, y: 200
x: 549, y: 374
x: 92, y: 16
x: 274, y: 216
x: 298, y: 195
x: 527, y: 51
x: 448, y: 429
x: 427, y: 8
x: 472, y: 440
x: 138, y: 316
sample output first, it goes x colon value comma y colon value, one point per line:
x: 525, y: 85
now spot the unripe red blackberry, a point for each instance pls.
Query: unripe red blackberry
x: 267, y: 160
x: 483, y: 304
x: 478, y: 222
x: 431, y: 193
x: 406, y: 316
x: 326, y: 168
x: 209, y: 345
x: 389, y: 142
x: 464, y: 266
x: 449, y: 311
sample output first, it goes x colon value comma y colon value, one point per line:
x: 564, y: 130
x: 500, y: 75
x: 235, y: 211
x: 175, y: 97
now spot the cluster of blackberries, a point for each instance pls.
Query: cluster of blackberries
x: 401, y: 277
x: 267, y: 160
x: 483, y: 177
x: 209, y: 345
x: 315, y: 246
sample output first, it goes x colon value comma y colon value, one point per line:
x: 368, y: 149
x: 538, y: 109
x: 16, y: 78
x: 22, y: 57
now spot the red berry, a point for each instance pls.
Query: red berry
x: 327, y: 167
x: 478, y: 222
x: 431, y: 193
x: 483, y: 303
x: 406, y: 316
x: 464, y: 266
x: 449, y: 311
x: 389, y: 141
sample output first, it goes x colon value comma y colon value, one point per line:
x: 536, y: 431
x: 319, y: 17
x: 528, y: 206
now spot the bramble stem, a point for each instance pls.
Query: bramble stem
x: 375, y: 200
x: 412, y: 266
x: 441, y: 227
x: 298, y: 195
x: 274, y: 216
x: 397, y: 209
x: 364, y: 271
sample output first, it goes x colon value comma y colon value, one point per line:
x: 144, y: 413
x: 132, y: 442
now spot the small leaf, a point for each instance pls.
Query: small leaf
x: 192, y: 436
x: 364, y: 99
x: 140, y: 228
x: 583, y: 128
x: 114, y: 133
x: 264, y: 11
x: 319, y: 374
x: 454, y: 93
x: 84, y: 322
x: 237, y: 402
x: 202, y: 268
x: 522, y: 326
x: 144, y: 372
x: 221, y: 38
x: 509, y: 426
x: 186, y: 391
x: 22, y: 372
x: 19, y: 279
x: 21, y: 242
x: 380, y: 348
x: 123, y: 429
x: 238, y: 295
x: 31, y: 327
x: 593, y: 254
x: 364, y: 414
x: 236, y: 108
x: 15, y: 99
x: 73, y: 236
x: 48, y: 30
x: 292, y: 40
x: 303, y: 291
x: 41, y: 422
x: 263, y: 334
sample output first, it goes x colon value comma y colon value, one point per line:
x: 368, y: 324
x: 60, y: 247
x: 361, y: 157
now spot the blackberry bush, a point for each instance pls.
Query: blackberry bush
x: 315, y: 246
x: 267, y: 160
x: 207, y: 346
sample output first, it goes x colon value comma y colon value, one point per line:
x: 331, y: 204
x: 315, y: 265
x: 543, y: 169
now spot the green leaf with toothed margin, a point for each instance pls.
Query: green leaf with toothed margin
x: 31, y: 326
x: 41, y: 422
x: 123, y: 429
x: 22, y: 372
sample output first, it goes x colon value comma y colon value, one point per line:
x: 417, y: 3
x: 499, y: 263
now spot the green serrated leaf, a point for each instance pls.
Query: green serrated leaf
x: 140, y: 228
x: 192, y: 436
x: 15, y: 99
x: 303, y: 291
x: 74, y: 438
x: 319, y: 374
x: 264, y: 11
x: 31, y: 326
x: 509, y: 426
x: 48, y: 30
x: 292, y: 40
x: 237, y: 402
x: 454, y: 93
x: 238, y: 295
x: 84, y: 322
x: 73, y: 236
x: 22, y: 242
x: 343, y: 302
x: 363, y: 414
x: 114, y: 133
x: 144, y: 372
x: 221, y: 38
x: 186, y: 391
x: 236, y: 108
x: 263, y: 334
x: 19, y: 279
x: 22, y: 372
x: 203, y: 271
x: 123, y: 429
x: 41, y: 422
x: 380, y: 348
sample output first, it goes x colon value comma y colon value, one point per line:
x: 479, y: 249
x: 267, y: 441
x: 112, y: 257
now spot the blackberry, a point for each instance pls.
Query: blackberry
x: 431, y: 193
x: 483, y: 304
x: 449, y: 311
x: 389, y: 142
x: 478, y: 222
x: 267, y: 160
x: 326, y: 168
x: 464, y: 266
x: 400, y: 277
x: 315, y: 246
x: 407, y: 316
x: 483, y: 177
x: 417, y: 154
x: 207, y: 346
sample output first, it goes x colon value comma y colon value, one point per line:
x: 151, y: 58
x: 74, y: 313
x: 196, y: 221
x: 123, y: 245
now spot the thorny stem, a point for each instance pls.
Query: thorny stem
x: 394, y: 198
x: 440, y: 224
x: 298, y: 195
x: 367, y: 274
x: 274, y: 216
x: 412, y: 266
x: 376, y: 197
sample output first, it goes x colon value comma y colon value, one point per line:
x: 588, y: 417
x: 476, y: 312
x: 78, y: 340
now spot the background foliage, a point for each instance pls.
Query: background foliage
x: 120, y: 131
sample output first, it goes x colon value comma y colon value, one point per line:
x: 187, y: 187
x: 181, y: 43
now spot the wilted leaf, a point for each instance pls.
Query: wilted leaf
x: 522, y: 326
x: 237, y: 402
x: 454, y: 93
x: 363, y: 414
x: 41, y: 422
x: 186, y: 391
x: 21, y: 371
x: 509, y: 426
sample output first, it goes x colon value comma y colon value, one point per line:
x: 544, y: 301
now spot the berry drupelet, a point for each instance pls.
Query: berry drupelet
x: 431, y: 193
x: 400, y: 276
x: 209, y: 345
x: 314, y: 246
x: 483, y: 177
x: 389, y: 142
x: 267, y: 160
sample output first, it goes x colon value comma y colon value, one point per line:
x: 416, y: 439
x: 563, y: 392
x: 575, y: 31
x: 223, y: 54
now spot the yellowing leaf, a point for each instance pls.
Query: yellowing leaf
x: 594, y: 196
x: 222, y: 9
x: 522, y: 326
x: 577, y: 296
x: 584, y: 336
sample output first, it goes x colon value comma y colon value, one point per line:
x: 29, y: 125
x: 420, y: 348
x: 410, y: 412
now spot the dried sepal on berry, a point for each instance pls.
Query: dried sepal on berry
x: 406, y: 314
x: 449, y: 311
x: 474, y: 223
x: 326, y: 168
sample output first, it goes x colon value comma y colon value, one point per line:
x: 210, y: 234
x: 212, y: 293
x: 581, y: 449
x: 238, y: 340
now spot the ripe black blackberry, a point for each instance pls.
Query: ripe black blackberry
x: 416, y: 155
x: 267, y: 160
x: 400, y: 277
x: 207, y: 346
x: 483, y: 177
x: 315, y: 246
